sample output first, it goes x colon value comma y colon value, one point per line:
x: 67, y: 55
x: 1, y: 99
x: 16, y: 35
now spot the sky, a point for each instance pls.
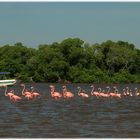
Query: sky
x: 35, y: 23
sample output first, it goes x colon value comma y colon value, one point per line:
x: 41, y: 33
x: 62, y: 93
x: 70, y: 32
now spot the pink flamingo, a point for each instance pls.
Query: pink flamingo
x: 116, y: 93
x: 103, y: 94
x: 34, y: 94
x: 27, y: 94
x: 124, y: 92
x: 94, y: 93
x: 82, y: 94
x: 9, y: 94
x: 54, y: 94
x: 16, y: 98
x: 12, y: 96
x: 137, y: 93
x: 112, y: 94
x: 127, y: 92
x: 131, y: 93
x: 67, y: 94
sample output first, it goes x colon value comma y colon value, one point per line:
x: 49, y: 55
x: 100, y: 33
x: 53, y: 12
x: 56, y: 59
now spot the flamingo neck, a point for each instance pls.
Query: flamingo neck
x: 108, y: 91
x: 64, y: 90
x: 23, y: 90
x: 6, y: 91
x: 52, y: 91
x: 92, y: 90
x: 32, y: 90
x: 127, y: 90
x: 123, y: 91
x: 136, y: 91
x: 79, y: 91
x: 100, y: 90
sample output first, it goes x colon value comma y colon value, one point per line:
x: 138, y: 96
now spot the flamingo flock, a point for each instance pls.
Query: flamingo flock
x: 30, y: 94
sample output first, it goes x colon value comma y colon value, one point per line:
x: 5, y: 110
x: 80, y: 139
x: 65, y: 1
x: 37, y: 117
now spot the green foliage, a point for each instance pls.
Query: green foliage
x: 73, y: 60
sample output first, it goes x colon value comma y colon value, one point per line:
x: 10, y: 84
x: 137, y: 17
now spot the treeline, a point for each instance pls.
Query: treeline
x: 73, y: 60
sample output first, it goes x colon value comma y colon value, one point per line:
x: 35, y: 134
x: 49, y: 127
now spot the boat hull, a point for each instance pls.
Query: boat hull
x: 7, y: 82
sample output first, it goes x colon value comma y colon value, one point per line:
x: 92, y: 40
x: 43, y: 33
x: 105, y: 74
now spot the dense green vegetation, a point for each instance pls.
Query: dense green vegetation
x: 73, y: 60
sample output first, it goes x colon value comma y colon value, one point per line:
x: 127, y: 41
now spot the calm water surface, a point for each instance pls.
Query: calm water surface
x: 75, y: 118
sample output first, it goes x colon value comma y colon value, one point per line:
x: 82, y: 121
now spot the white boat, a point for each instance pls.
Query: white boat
x: 6, y: 82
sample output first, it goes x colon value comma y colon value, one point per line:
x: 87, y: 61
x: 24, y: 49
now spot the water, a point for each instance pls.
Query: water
x: 75, y: 118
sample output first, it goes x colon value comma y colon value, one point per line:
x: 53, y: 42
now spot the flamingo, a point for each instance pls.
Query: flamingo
x: 131, y: 93
x: 16, y: 98
x: 102, y: 94
x: 82, y: 94
x: 112, y: 94
x: 27, y: 94
x: 12, y: 96
x: 124, y: 93
x: 137, y: 93
x: 67, y: 94
x: 94, y: 93
x: 54, y: 94
x: 34, y: 94
x: 127, y: 92
x: 9, y: 94
x: 116, y: 93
